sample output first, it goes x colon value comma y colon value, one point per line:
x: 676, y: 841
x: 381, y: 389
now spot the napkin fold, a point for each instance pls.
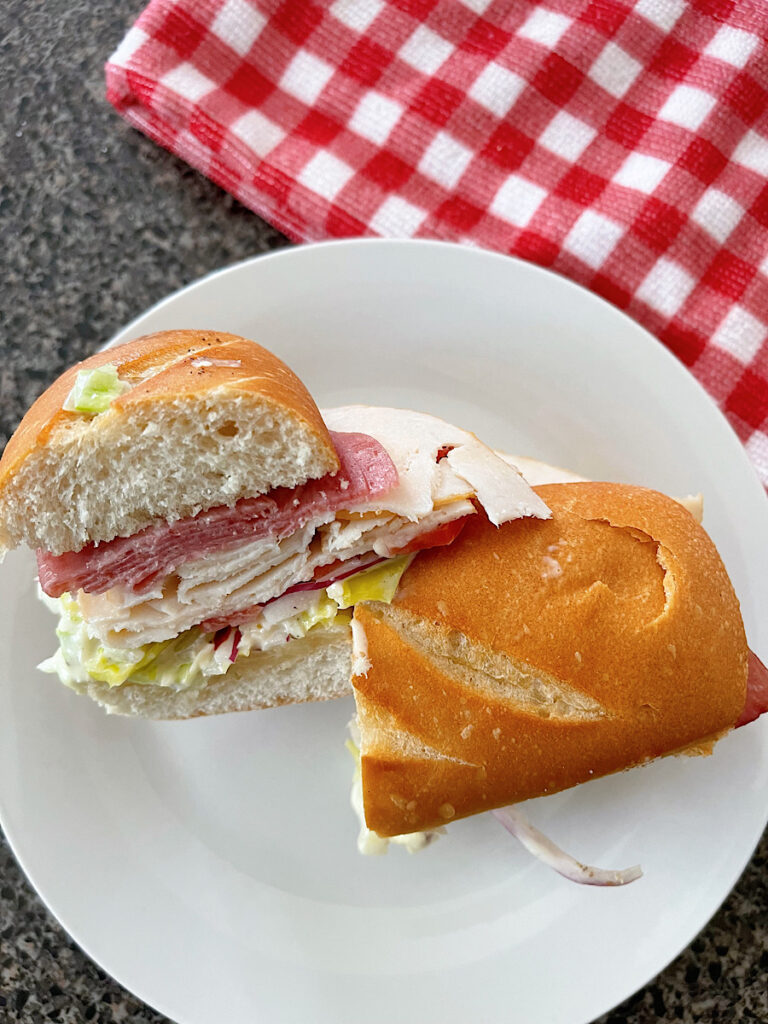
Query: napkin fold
x: 624, y: 145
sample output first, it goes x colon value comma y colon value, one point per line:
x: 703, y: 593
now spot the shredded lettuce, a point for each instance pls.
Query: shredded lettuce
x: 95, y: 390
x: 376, y: 584
x: 320, y: 614
x: 82, y: 658
x: 181, y: 662
x: 192, y: 657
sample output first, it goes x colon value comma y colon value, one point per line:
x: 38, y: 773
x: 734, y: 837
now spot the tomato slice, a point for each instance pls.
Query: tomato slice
x: 437, y: 538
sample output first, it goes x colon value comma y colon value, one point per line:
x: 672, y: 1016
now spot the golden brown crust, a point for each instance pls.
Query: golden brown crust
x: 163, y: 364
x: 621, y: 597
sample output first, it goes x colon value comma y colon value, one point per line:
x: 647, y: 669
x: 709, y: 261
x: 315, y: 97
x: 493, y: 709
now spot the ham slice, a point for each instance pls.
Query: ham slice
x: 366, y: 472
x: 757, y: 691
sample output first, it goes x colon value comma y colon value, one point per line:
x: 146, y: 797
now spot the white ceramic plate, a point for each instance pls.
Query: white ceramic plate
x: 210, y: 866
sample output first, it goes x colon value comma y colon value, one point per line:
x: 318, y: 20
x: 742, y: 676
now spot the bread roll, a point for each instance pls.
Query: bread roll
x: 315, y: 667
x: 208, y: 418
x: 527, y: 659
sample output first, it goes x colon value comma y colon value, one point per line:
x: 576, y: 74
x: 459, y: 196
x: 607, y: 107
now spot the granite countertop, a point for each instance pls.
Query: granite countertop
x: 97, y: 223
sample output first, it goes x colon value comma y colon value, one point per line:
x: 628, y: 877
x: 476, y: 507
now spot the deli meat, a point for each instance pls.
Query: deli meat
x: 366, y: 471
x: 756, y: 703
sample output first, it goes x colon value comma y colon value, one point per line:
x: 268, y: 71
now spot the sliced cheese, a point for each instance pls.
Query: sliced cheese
x: 536, y: 472
x: 414, y: 440
x: 499, y: 487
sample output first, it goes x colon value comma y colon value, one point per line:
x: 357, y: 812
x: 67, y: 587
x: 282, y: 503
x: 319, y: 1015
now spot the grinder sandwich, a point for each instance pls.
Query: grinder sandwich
x: 544, y: 654
x: 202, y: 530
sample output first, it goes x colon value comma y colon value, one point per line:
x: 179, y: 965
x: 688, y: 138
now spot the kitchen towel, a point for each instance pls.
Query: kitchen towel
x: 624, y: 145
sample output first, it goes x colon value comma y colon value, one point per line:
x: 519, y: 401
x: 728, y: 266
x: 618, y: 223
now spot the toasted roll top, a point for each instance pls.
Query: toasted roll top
x: 529, y: 658
x: 207, y: 418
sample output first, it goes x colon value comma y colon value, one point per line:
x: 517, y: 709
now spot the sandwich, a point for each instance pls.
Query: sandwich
x: 543, y: 654
x: 202, y: 531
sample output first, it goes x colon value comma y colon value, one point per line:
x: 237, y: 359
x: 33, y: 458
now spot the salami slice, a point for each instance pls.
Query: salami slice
x: 756, y: 703
x: 366, y: 472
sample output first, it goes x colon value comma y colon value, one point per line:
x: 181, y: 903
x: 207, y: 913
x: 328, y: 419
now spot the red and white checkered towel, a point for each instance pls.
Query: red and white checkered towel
x: 623, y: 144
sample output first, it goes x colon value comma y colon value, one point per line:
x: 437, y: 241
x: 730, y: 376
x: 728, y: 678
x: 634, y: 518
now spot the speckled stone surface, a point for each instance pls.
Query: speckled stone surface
x: 96, y: 224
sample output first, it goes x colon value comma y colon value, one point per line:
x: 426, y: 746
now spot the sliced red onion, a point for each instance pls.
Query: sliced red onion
x: 235, y: 644
x: 299, y: 588
x: 535, y: 842
x: 220, y: 636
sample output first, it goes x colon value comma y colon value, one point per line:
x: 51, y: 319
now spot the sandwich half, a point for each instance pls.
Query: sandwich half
x: 544, y: 654
x: 202, y: 531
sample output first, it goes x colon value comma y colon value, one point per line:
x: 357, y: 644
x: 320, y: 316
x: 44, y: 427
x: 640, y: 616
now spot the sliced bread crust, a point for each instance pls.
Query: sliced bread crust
x: 209, y: 418
x: 525, y: 660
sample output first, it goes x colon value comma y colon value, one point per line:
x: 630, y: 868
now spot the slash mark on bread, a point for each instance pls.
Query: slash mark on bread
x: 383, y: 731
x: 488, y: 672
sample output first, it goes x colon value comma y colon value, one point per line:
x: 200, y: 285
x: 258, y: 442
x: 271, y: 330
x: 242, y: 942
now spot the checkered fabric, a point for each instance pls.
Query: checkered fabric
x: 624, y: 145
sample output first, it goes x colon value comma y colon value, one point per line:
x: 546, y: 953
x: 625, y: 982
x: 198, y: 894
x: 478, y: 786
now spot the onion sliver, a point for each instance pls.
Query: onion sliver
x: 535, y: 842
